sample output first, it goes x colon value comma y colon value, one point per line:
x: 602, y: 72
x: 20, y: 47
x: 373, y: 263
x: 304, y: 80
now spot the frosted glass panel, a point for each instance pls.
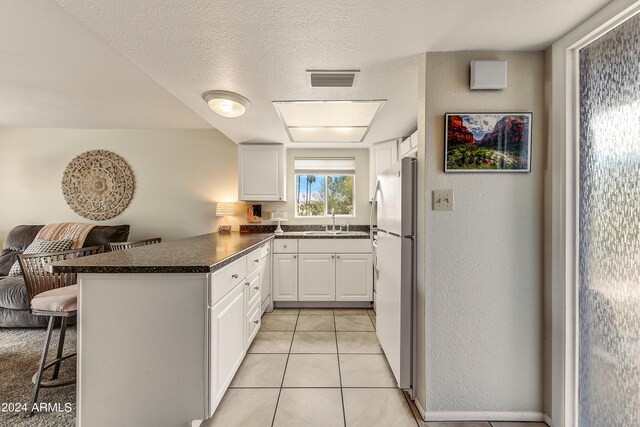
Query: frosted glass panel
x: 609, y: 258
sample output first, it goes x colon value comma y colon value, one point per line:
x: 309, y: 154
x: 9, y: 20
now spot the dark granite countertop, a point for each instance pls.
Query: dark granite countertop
x: 302, y: 235
x: 298, y: 231
x: 199, y: 254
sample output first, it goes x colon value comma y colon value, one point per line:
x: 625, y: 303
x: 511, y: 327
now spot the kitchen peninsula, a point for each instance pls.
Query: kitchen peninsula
x: 163, y: 328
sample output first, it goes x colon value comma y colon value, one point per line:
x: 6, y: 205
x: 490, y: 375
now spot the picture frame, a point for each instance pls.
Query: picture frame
x: 488, y: 142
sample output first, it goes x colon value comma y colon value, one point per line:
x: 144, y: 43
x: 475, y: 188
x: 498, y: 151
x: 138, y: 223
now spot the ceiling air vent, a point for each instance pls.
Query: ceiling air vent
x: 332, y: 78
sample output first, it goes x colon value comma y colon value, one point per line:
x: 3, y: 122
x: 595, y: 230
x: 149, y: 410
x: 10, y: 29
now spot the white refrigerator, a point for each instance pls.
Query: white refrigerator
x: 393, y: 239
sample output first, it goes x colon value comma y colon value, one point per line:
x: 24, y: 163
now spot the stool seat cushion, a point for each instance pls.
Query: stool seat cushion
x: 63, y: 299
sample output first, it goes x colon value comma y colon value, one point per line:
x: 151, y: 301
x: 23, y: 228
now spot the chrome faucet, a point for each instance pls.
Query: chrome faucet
x: 333, y: 219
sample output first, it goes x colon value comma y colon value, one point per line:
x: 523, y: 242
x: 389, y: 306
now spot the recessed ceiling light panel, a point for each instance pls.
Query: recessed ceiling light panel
x: 328, y: 121
x: 327, y: 134
x: 226, y: 104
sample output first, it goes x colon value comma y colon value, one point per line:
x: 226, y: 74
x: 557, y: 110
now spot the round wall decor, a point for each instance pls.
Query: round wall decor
x: 98, y: 185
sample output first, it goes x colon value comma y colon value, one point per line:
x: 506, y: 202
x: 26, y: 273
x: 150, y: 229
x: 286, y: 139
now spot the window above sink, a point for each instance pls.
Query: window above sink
x: 323, y: 186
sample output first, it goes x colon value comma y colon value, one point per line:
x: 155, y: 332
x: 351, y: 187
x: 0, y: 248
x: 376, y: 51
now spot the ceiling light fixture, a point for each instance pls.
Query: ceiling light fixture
x: 226, y: 104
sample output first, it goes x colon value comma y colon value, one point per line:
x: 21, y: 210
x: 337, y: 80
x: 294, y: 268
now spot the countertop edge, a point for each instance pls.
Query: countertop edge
x: 150, y: 269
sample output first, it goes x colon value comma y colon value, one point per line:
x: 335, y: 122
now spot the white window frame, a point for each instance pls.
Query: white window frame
x: 563, y: 214
x: 326, y: 200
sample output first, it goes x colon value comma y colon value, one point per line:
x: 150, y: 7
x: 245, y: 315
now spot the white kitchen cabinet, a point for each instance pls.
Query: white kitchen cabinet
x: 261, y: 172
x: 265, y: 285
x: 317, y: 277
x: 260, y: 260
x: 354, y: 277
x: 285, y: 277
x: 381, y: 156
x: 409, y: 145
x: 226, y: 341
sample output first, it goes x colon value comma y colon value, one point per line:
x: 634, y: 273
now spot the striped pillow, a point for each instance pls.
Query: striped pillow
x: 41, y: 247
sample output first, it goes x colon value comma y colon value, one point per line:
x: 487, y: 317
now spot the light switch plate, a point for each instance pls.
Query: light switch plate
x: 442, y: 200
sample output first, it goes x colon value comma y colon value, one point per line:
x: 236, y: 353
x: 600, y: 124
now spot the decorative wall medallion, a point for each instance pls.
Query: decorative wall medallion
x: 98, y: 185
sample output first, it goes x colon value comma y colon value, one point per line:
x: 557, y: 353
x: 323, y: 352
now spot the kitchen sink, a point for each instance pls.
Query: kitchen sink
x: 328, y: 233
x: 335, y: 233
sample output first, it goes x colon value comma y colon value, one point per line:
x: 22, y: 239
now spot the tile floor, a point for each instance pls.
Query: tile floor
x: 320, y: 367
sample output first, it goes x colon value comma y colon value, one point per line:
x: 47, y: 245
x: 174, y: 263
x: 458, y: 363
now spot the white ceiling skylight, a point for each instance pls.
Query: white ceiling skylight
x: 328, y: 121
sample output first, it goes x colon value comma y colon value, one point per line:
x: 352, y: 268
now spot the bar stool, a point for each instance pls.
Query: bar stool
x: 119, y: 246
x: 54, y: 295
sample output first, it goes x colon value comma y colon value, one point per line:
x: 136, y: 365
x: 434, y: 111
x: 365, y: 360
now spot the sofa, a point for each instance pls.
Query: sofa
x: 14, y: 307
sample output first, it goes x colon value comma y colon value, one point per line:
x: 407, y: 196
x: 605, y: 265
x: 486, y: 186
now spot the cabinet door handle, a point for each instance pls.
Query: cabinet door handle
x: 333, y: 256
x: 234, y: 276
x: 256, y: 321
x: 284, y: 246
x: 294, y: 256
x: 256, y: 260
x: 257, y: 288
x: 338, y: 256
x: 247, y: 283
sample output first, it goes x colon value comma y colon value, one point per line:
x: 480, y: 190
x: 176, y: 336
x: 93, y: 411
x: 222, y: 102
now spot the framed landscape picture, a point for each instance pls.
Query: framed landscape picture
x: 488, y: 142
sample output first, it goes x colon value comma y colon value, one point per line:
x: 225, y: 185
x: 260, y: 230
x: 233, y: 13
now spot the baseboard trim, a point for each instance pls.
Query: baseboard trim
x: 482, y: 416
x: 420, y: 409
x: 548, y: 420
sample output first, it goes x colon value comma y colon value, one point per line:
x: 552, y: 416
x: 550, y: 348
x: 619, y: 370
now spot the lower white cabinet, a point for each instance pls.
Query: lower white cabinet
x: 285, y: 277
x: 317, y: 277
x: 226, y: 341
x: 354, y: 277
x: 322, y: 270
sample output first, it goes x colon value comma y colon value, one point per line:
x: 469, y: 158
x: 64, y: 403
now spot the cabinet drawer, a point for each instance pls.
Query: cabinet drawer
x: 254, y: 320
x: 253, y: 288
x: 225, y: 279
x: 285, y: 246
x: 257, y: 258
x: 334, y: 246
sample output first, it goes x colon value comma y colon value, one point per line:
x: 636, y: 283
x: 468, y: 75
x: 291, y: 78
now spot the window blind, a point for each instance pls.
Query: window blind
x: 325, y: 166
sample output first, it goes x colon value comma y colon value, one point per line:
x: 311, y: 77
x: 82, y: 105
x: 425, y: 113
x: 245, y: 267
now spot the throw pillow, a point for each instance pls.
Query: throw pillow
x: 41, y: 247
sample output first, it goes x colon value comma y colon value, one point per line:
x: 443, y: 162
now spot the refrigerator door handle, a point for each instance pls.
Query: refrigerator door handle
x: 374, y: 253
x: 374, y: 203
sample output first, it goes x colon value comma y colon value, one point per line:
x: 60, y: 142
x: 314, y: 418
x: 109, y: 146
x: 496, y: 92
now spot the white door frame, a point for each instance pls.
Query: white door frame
x: 563, y: 160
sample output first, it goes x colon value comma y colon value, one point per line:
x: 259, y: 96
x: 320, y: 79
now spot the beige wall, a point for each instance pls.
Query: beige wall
x: 179, y: 176
x: 483, y: 262
x: 361, y: 185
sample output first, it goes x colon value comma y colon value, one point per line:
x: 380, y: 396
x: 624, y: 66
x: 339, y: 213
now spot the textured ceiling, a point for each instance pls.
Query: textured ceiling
x: 54, y: 72
x: 136, y: 54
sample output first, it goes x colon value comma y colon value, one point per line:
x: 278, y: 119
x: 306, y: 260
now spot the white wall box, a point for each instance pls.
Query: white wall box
x: 262, y: 172
x: 488, y: 75
x: 381, y: 156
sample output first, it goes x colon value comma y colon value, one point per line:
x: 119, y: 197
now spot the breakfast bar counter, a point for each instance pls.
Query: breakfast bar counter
x: 199, y: 254
x: 163, y: 328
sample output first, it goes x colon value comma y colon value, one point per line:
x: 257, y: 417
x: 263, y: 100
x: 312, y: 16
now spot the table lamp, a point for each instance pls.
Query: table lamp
x: 225, y: 209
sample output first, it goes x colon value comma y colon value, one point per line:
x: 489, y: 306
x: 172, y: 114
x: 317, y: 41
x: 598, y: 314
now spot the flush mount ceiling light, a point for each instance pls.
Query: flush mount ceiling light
x: 226, y: 104
x: 328, y: 121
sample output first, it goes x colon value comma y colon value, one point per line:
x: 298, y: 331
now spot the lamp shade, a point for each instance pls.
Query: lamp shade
x: 225, y: 209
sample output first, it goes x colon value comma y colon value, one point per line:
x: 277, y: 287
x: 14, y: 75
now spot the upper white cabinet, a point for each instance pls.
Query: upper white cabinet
x: 261, y: 172
x: 409, y: 145
x: 381, y: 156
